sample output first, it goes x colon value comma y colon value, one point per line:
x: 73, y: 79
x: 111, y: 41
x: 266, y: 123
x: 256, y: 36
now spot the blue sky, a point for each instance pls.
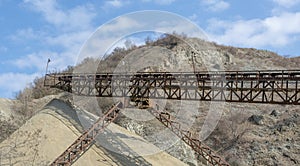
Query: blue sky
x: 34, y: 30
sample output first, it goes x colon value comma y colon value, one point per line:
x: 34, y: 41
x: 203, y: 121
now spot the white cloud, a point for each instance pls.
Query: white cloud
x: 69, y: 29
x: 37, y: 61
x: 72, y: 40
x: 287, y: 3
x: 11, y: 83
x: 29, y: 61
x: 120, y: 24
x: 193, y: 17
x: 107, y: 35
x: 72, y: 28
x: 180, y: 26
x: 77, y: 18
x: 25, y: 35
x: 69, y: 44
x: 114, y: 3
x: 215, y: 5
x: 272, y: 31
x: 160, y: 2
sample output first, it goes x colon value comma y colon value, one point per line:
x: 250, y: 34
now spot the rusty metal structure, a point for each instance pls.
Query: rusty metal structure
x: 201, y: 150
x: 85, y: 141
x: 270, y: 87
x: 273, y: 86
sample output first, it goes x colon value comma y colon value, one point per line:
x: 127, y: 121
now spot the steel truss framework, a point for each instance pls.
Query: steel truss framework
x: 274, y: 87
x: 201, y: 150
x: 83, y: 143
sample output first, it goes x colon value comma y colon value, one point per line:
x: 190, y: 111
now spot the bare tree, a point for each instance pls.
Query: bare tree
x: 230, y: 130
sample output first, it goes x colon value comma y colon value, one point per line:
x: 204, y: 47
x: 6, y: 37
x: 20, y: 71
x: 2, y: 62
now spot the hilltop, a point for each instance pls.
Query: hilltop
x: 247, y: 134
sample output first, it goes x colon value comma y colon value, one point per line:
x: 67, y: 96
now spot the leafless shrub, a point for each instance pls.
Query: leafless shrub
x: 7, y: 127
x: 13, y: 154
x: 230, y: 130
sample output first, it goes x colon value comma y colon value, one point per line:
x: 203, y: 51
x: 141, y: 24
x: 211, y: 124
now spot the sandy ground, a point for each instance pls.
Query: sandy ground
x: 47, y: 134
x: 6, y: 108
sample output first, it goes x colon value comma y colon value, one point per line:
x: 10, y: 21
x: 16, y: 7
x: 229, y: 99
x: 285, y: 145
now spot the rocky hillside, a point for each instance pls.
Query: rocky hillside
x: 181, y: 54
x: 247, y: 134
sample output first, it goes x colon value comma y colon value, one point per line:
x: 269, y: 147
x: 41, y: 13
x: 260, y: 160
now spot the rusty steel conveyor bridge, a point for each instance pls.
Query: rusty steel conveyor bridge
x: 269, y: 86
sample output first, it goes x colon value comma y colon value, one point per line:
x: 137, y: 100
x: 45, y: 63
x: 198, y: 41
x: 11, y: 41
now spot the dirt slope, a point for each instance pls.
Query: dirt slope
x: 48, y: 133
x: 6, y: 110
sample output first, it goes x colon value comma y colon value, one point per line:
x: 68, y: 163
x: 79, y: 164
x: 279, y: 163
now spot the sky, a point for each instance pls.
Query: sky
x: 34, y: 30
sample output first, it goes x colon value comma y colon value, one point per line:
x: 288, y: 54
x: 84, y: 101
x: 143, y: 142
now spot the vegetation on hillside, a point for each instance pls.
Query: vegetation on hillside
x: 37, y: 89
x: 231, y: 138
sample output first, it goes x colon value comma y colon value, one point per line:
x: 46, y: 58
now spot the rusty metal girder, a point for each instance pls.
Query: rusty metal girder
x: 83, y: 143
x: 201, y: 150
x: 273, y: 87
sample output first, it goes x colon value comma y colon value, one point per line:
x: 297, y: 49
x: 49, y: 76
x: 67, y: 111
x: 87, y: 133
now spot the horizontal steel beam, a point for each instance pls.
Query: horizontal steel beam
x: 274, y: 87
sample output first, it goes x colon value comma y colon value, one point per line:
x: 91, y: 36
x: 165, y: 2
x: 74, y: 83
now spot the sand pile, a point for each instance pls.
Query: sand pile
x: 48, y: 133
